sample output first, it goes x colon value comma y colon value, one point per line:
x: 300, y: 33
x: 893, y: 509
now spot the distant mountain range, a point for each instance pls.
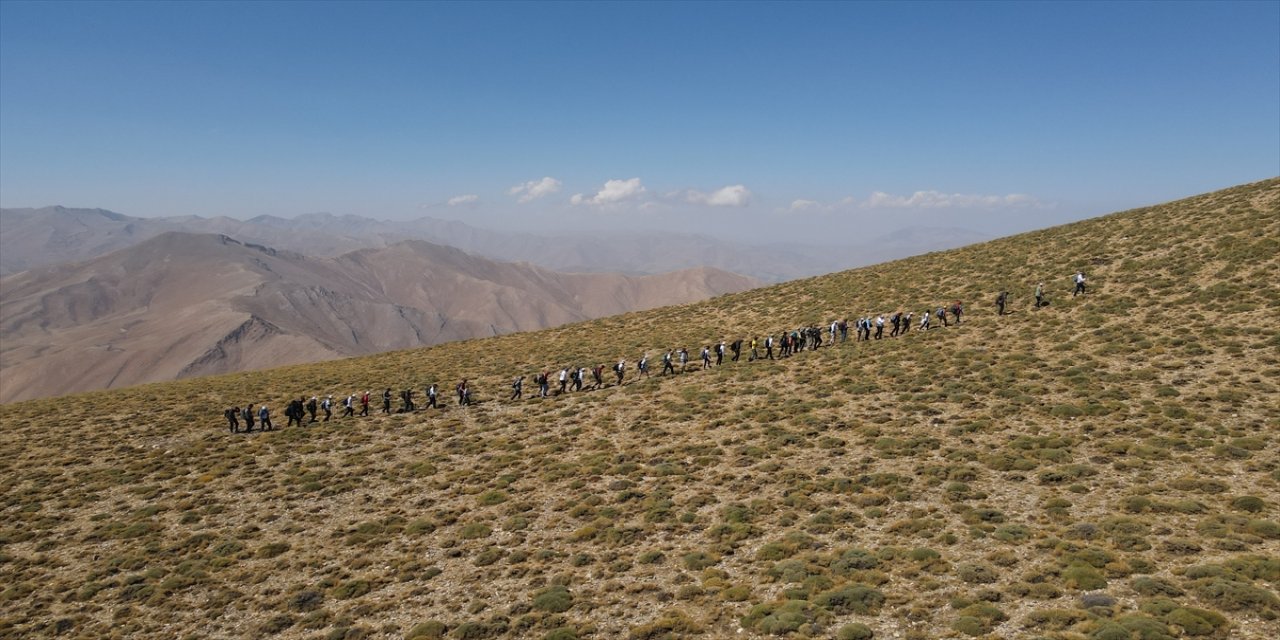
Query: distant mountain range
x: 52, y: 235
x: 178, y: 304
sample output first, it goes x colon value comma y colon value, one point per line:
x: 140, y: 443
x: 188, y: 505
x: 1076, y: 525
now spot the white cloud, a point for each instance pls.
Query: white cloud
x: 939, y: 200
x: 463, y: 199
x: 806, y: 205
x: 734, y: 195
x: 534, y: 189
x: 613, y: 192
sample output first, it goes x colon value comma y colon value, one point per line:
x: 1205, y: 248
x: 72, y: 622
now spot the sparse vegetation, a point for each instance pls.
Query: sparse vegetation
x: 1105, y: 467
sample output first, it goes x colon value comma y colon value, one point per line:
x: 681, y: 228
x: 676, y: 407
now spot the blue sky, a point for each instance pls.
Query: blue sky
x: 726, y: 118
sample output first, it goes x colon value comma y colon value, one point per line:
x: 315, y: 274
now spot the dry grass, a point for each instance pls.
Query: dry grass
x: 1106, y: 467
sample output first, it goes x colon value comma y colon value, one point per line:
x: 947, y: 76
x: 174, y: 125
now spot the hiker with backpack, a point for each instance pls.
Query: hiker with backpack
x: 720, y: 353
x: 667, y: 366
x: 364, y: 404
x: 1001, y: 299
x: 957, y: 310
x: 706, y: 357
x: 327, y: 406
x: 1039, y: 294
x: 620, y: 370
x: 233, y: 418
x: 264, y: 418
x: 643, y: 365
x: 517, y: 388
x: 736, y: 348
x: 1079, y: 281
x: 311, y: 408
x: 349, y: 406
x: 431, y: 397
x: 293, y: 411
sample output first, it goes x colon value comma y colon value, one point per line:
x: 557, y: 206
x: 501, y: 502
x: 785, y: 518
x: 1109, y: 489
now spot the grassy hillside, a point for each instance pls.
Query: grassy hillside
x: 1106, y: 467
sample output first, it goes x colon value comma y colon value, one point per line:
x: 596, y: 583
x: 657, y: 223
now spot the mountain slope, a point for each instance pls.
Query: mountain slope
x: 179, y: 305
x: 1107, y: 466
x: 32, y: 238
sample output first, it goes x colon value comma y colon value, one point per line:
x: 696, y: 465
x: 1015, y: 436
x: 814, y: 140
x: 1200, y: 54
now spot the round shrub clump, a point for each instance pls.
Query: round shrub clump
x: 556, y: 599
x: 855, y: 631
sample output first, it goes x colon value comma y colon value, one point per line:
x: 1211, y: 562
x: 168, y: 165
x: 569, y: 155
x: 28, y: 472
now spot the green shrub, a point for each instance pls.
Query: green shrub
x: 430, y: 630
x: 554, y: 599
x: 780, y: 618
x: 857, y: 598
x: 1083, y: 577
x: 1196, y: 622
x: 1252, y: 504
x: 855, y: 631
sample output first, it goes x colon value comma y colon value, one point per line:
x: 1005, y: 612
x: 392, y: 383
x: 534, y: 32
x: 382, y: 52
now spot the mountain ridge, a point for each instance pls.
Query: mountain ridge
x: 255, y: 306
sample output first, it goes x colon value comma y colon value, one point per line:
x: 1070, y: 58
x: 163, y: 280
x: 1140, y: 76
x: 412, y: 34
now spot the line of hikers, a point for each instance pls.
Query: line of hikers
x: 297, y: 410
x: 575, y: 378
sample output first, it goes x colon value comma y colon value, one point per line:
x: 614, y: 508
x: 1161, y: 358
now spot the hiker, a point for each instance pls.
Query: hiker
x: 755, y: 351
x: 517, y: 388
x: 466, y: 396
x: 233, y: 418
x: 1079, y: 280
x: 706, y: 357
x: 879, y: 326
x: 621, y: 369
x: 768, y: 346
x: 924, y: 321
x: 431, y: 397
x: 544, y: 387
x: 1000, y: 302
x: 386, y: 400
x: 349, y: 406
x: 564, y: 379
x: 248, y: 414
x: 364, y: 404
x: 1039, y: 294
x: 409, y: 407
x: 720, y: 353
x: 643, y: 365
x: 957, y: 310
x: 311, y: 408
x: 684, y: 359
x: 831, y: 331
x: 327, y: 406
x: 736, y: 348
x: 463, y: 394
x: 264, y: 418
x: 844, y: 330
x: 666, y: 363
x: 906, y: 322
x: 597, y: 374
x: 292, y: 411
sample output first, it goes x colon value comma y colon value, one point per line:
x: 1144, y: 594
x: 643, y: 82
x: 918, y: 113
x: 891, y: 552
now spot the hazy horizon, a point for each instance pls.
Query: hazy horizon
x: 805, y: 123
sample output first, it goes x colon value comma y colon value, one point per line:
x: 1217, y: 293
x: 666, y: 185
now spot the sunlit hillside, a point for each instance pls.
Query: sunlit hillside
x: 1107, y: 466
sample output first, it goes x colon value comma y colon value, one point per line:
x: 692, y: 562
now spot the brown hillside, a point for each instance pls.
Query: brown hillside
x: 180, y: 305
x: 1104, y: 468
